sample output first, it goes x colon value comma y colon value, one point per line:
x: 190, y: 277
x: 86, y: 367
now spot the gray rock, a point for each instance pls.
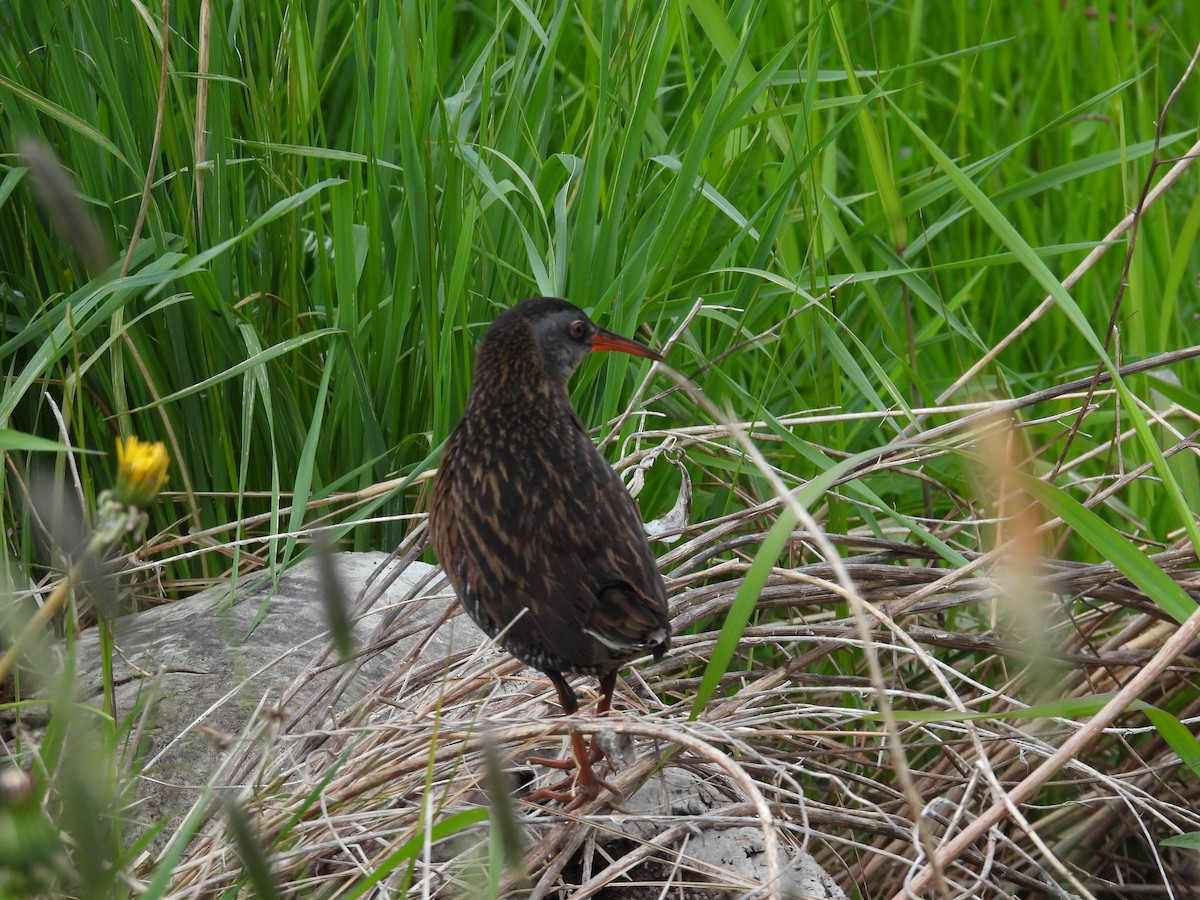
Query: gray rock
x: 714, y: 845
x: 199, y: 668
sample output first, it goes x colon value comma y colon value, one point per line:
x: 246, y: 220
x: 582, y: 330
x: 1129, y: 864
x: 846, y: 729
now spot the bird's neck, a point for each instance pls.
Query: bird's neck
x: 517, y: 387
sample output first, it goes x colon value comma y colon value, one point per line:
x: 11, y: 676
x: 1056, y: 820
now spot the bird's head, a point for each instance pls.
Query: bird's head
x: 562, y: 335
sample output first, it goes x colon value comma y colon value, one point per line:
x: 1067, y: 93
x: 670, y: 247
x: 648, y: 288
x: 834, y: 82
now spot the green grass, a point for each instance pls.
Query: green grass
x: 379, y: 179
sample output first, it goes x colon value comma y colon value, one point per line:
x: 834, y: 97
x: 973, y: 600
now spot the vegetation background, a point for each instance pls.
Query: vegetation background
x: 312, y: 210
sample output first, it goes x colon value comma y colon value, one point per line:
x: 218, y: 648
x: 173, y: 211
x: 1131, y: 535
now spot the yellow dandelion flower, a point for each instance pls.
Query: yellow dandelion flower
x: 141, y: 470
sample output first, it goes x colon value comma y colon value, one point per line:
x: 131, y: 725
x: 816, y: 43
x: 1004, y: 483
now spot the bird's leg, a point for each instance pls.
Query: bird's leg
x: 608, y: 683
x: 570, y: 706
x: 586, y: 783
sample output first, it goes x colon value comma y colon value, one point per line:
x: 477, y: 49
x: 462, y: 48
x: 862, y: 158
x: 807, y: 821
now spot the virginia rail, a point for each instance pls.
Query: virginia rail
x: 535, y: 530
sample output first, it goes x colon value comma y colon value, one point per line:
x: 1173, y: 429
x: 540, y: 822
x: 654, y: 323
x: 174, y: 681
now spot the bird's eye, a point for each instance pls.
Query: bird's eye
x: 577, y: 329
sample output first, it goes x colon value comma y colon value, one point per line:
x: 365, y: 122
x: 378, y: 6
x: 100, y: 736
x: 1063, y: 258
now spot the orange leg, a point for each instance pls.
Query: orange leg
x: 586, y: 784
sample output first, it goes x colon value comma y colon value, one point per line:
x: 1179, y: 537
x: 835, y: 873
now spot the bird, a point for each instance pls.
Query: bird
x: 536, y: 532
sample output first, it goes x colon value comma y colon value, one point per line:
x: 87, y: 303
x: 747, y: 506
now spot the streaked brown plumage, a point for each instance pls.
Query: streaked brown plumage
x: 535, y: 530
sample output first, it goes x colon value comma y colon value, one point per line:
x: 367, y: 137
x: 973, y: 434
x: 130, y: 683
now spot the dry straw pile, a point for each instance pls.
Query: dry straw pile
x: 877, y: 705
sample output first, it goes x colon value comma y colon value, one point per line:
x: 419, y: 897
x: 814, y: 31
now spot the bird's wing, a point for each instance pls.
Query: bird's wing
x: 622, y: 573
x: 551, y: 534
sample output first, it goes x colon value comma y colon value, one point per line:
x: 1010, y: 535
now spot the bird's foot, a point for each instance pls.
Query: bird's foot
x: 581, y: 787
x: 574, y: 791
x: 595, y: 755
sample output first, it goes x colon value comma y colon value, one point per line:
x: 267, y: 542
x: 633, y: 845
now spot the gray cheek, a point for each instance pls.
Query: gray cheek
x: 563, y: 359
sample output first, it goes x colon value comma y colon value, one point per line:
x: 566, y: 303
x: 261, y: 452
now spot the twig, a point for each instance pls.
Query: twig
x: 1069, y: 750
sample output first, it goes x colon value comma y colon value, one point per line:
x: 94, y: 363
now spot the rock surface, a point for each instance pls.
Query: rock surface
x: 719, y: 847
x: 201, y: 667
